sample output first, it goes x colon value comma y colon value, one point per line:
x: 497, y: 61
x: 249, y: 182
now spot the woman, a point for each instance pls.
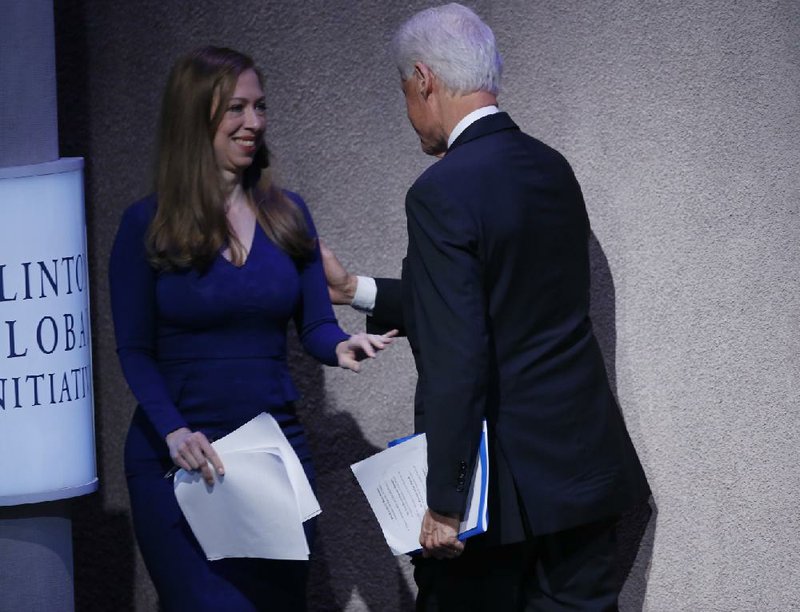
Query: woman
x: 205, y: 276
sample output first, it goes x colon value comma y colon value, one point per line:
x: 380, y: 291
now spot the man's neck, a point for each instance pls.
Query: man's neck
x: 455, y: 108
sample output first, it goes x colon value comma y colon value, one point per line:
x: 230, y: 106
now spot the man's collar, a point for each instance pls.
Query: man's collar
x: 469, y: 120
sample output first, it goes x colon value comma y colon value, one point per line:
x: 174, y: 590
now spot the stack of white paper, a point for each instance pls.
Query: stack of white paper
x: 258, y: 507
x: 394, y: 482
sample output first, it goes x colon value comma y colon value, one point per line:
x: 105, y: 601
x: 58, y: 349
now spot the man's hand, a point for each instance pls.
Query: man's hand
x: 439, y: 536
x: 341, y: 284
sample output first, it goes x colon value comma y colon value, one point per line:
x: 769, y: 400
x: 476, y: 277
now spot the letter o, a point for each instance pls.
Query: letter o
x: 39, y: 340
x: 79, y: 271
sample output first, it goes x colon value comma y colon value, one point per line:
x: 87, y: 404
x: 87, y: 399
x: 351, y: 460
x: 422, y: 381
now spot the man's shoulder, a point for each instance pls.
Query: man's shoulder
x: 498, y: 150
x: 499, y: 146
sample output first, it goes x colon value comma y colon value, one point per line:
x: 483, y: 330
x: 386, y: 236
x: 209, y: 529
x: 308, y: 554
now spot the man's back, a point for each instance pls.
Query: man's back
x: 501, y: 224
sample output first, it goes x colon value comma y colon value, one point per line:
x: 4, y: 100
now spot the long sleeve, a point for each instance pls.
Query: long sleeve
x: 316, y: 324
x: 451, y: 338
x: 133, y: 306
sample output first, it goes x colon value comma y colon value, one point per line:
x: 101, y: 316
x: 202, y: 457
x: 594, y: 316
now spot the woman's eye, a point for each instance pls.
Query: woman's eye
x: 235, y: 108
x: 261, y: 107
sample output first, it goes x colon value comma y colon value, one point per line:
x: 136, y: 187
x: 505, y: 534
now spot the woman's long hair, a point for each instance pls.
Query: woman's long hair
x: 190, y: 226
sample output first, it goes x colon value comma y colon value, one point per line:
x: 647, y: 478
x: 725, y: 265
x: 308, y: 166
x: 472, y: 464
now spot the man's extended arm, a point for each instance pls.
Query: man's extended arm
x: 379, y: 298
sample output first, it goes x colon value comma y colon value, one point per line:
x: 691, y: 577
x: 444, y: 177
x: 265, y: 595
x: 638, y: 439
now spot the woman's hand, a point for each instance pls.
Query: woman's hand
x: 192, y: 451
x: 361, y: 346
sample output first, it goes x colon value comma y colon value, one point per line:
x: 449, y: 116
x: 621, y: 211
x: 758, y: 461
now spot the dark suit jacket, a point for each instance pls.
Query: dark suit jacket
x: 494, y: 299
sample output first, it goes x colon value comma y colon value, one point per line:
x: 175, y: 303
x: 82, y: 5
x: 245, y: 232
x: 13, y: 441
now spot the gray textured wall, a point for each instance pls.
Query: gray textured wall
x: 681, y: 120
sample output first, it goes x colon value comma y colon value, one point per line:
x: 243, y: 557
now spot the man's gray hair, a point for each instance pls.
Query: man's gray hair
x: 455, y: 44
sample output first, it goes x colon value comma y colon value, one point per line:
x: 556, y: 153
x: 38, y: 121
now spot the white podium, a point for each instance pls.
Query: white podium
x: 46, y: 405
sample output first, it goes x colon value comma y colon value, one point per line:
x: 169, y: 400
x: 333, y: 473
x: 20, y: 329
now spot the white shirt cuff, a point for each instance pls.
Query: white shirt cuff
x: 366, y: 292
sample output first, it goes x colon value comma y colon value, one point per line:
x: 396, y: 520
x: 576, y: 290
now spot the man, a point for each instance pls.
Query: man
x: 494, y: 299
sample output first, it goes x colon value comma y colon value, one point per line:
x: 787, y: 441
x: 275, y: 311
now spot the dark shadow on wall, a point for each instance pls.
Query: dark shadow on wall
x: 350, y: 553
x: 636, y: 532
x: 636, y: 528
x: 103, y: 544
x: 104, y: 554
x: 603, y: 308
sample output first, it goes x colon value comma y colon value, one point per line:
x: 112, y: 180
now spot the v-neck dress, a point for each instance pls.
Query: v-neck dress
x: 208, y: 351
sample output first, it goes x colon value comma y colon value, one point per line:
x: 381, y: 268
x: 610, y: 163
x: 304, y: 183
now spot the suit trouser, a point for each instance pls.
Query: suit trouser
x: 568, y: 570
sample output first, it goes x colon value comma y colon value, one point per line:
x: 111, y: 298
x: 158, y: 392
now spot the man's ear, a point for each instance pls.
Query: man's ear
x: 423, y: 79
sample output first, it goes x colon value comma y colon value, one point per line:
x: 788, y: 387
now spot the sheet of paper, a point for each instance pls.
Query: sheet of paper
x: 393, y: 481
x: 263, y: 432
x: 258, y: 508
x: 249, y: 512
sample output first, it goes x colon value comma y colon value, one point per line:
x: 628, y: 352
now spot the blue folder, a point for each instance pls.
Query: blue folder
x: 479, y: 485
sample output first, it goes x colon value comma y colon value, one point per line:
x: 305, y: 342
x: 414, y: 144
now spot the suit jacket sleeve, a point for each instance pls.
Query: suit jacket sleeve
x: 451, y: 339
x: 388, y: 311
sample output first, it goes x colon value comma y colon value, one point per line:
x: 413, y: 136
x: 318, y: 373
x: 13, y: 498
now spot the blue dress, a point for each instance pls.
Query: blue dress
x: 208, y: 351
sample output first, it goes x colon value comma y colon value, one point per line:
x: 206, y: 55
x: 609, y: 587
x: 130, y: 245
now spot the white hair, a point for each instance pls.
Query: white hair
x: 455, y: 44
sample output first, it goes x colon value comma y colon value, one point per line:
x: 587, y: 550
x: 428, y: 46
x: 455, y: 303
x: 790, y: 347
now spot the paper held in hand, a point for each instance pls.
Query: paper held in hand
x: 258, y: 507
x: 394, y: 482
